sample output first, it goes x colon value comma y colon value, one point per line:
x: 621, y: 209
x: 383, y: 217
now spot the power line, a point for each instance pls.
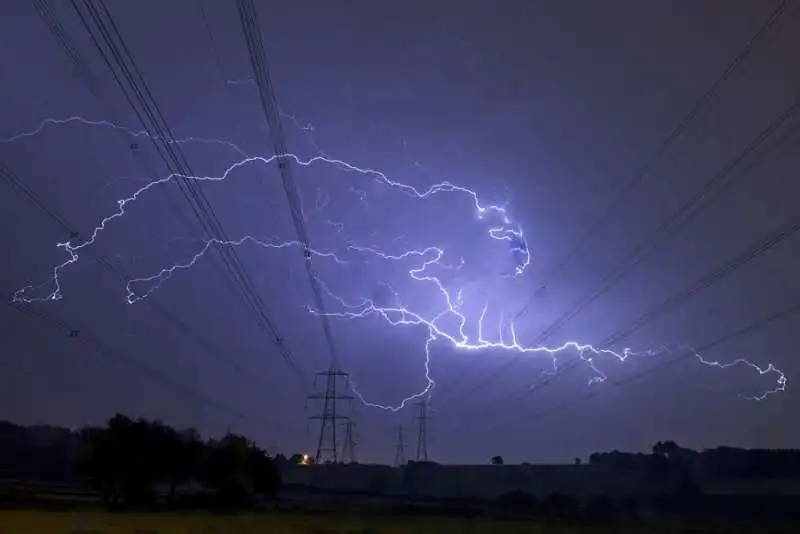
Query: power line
x: 680, y: 217
x: 212, y: 41
x: 724, y: 338
x: 80, y: 66
x: 8, y: 175
x: 757, y: 325
x: 638, y: 176
x: 266, y: 91
x: 736, y: 262
x: 138, y: 91
x: 642, y: 172
x: 702, y: 283
x: 87, y: 338
x: 171, y: 156
x: 54, y: 26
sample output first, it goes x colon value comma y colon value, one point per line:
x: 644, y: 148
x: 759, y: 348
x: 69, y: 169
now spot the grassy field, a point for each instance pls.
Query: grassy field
x: 84, y: 522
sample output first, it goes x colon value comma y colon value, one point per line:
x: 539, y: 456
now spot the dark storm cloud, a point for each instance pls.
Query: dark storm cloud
x: 548, y: 109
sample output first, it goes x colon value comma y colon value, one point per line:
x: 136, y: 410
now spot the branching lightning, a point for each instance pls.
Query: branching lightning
x: 108, y: 124
x: 422, y: 262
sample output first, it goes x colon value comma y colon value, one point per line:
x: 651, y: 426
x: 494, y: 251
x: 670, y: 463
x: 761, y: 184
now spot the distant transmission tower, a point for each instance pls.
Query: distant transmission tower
x: 400, y: 448
x: 349, y: 449
x: 422, y: 432
x: 329, y: 417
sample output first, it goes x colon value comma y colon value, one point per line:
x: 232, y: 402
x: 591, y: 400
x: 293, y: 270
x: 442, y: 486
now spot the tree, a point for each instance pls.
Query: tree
x: 237, y: 469
x: 266, y: 476
x: 497, y: 460
x: 226, y: 464
x: 126, y: 459
x: 37, y: 452
x: 123, y: 460
x: 178, y: 454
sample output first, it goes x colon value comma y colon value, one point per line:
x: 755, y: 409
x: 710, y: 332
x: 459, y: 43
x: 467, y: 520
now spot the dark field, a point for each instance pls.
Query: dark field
x: 86, y: 522
x: 29, y: 508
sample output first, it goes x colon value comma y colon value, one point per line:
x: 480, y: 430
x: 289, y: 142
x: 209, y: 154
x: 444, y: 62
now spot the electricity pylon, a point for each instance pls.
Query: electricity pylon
x: 349, y: 449
x: 422, y: 431
x: 329, y: 417
x: 400, y: 448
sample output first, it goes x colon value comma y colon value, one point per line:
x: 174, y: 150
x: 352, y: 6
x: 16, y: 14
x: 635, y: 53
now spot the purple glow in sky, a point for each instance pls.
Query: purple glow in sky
x: 454, y: 292
x: 472, y: 182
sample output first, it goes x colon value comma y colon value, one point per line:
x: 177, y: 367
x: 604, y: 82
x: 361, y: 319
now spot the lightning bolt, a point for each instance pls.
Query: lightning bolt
x: 157, y: 280
x: 422, y: 264
x: 133, y: 133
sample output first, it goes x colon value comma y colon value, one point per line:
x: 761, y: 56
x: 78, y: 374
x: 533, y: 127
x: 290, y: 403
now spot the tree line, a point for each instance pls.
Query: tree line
x: 136, y: 462
x: 719, y: 462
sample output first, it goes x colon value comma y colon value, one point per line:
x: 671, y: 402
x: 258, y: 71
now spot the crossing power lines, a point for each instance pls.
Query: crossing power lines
x: 724, y: 338
x: 86, y: 337
x: 266, y: 91
x: 641, y: 173
x: 783, y: 128
x: 261, y: 74
x: 683, y: 214
x: 102, y: 29
x: 735, y: 262
x: 10, y: 177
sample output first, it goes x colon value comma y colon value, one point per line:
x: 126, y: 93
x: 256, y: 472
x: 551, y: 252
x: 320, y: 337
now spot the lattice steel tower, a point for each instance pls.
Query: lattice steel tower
x: 349, y: 449
x: 422, y: 431
x: 330, y: 416
x: 400, y: 448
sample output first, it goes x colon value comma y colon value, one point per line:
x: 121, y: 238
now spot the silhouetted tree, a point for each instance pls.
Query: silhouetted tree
x: 657, y: 467
x: 42, y: 453
x: 266, y: 476
x: 226, y: 469
x: 281, y: 461
x: 123, y: 460
x: 126, y: 459
x: 497, y: 460
x: 179, y: 454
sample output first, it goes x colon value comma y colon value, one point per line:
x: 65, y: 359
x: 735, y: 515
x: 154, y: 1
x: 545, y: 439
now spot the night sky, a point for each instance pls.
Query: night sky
x: 543, y: 113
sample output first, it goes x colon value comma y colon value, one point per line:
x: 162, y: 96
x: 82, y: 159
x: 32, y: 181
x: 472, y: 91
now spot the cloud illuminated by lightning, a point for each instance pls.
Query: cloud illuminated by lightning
x: 395, y: 314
